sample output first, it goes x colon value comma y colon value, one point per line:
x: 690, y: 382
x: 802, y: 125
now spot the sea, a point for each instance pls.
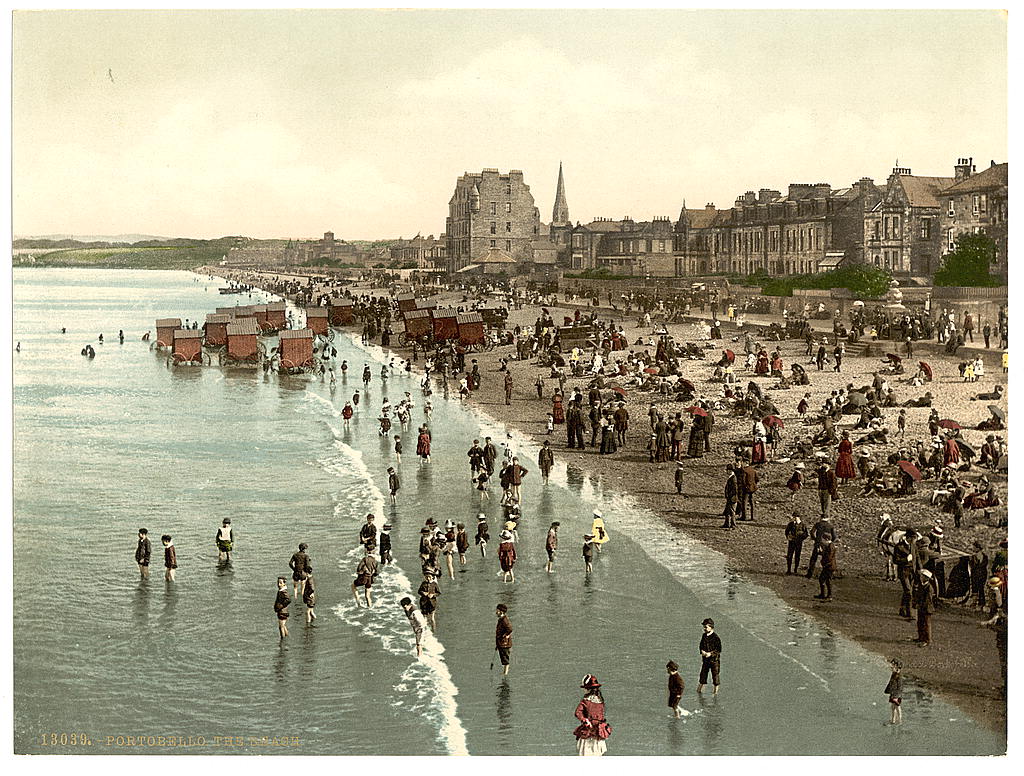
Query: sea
x: 108, y: 663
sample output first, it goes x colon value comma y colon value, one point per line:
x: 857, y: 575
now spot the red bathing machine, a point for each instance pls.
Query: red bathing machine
x: 243, y: 342
x: 165, y: 328
x: 296, y: 349
x: 277, y: 316
x: 341, y: 311
x: 188, y: 345
x: 446, y: 324
x: 216, y: 328
x: 316, y: 320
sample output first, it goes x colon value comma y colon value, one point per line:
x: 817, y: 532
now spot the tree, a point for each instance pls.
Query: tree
x: 968, y: 264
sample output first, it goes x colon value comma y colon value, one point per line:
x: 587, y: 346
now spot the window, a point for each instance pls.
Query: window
x: 983, y: 207
x: 508, y: 190
x: 875, y: 228
x: 926, y: 228
x: 508, y: 207
x: 885, y: 221
x: 508, y: 245
x: 494, y: 227
x: 878, y: 260
x: 494, y: 208
x: 577, y: 241
x: 951, y: 239
x: 896, y: 227
x: 952, y: 210
x: 508, y: 226
x: 976, y: 204
x: 494, y: 243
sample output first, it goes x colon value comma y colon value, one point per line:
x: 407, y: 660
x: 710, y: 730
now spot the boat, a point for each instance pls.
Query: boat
x: 232, y: 290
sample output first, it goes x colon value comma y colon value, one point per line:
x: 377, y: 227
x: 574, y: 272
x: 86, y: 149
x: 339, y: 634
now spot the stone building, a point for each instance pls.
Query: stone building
x: 625, y: 247
x: 977, y: 202
x: 560, y: 230
x: 487, y: 211
x: 803, y: 232
x: 327, y: 250
x: 425, y: 252
x: 902, y: 233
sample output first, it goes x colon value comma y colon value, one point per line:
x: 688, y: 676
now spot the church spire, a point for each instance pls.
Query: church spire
x: 560, y: 212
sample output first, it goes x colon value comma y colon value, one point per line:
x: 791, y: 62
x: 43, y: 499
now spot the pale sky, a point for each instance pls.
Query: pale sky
x: 289, y: 124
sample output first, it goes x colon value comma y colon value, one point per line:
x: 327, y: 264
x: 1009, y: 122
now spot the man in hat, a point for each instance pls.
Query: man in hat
x: 747, y: 477
x: 828, y: 568
x: 732, y: 491
x: 821, y: 529
x: 516, y: 475
x: 546, y: 460
x: 796, y: 534
x: 476, y: 459
x: 977, y: 565
x: 385, y: 544
x: 368, y: 533
x: 503, y: 637
x: 710, y: 654
x: 924, y: 602
x: 482, y: 534
x: 490, y: 455
x: 428, y: 592
x: 827, y: 487
x: 551, y: 545
x: 508, y: 387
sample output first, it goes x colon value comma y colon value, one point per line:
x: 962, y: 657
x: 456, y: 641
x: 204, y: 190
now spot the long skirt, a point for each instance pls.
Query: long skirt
x: 757, y: 454
x: 591, y: 747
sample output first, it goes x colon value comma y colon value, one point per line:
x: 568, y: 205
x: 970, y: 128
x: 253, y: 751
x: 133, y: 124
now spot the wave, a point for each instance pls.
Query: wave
x: 428, y: 678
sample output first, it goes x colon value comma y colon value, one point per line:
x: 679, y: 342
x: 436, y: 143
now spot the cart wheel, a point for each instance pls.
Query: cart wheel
x: 489, y: 344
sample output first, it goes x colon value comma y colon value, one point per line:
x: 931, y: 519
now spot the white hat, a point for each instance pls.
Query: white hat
x: 926, y: 573
x: 799, y: 466
x: 886, y: 517
x: 597, y: 513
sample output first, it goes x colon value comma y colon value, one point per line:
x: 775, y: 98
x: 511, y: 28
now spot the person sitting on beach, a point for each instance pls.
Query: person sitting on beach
x: 995, y: 395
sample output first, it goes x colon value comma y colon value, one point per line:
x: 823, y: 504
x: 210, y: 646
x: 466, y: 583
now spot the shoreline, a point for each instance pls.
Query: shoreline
x: 961, y: 664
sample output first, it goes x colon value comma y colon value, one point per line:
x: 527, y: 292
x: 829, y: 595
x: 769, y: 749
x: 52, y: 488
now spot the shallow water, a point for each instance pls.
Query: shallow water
x: 103, y: 447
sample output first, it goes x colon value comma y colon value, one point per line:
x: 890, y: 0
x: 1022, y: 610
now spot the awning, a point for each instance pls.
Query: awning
x: 469, y: 268
x: 831, y: 260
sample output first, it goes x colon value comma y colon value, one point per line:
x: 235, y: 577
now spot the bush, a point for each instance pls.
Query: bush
x: 968, y: 264
x: 597, y: 273
x: 859, y: 279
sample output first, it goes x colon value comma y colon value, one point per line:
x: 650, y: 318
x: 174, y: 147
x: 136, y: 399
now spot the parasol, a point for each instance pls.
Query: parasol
x: 652, y: 370
x: 620, y: 391
x: 858, y: 399
x: 698, y: 411
x: 910, y: 469
x: 997, y: 412
x: 730, y: 355
x: 965, y: 449
x: 950, y: 424
x: 893, y: 357
x: 772, y: 420
x: 925, y: 368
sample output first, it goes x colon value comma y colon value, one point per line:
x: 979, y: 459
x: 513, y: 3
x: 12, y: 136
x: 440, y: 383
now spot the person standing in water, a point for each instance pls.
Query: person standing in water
x: 711, y: 654
x: 393, y: 485
x: 225, y: 541
x: 428, y: 593
x: 281, y: 606
x: 309, y: 599
x: 416, y: 621
x: 675, y: 688
x: 593, y: 729
x: 366, y: 572
x: 895, y: 692
x: 143, y: 552
x: 503, y: 637
x: 507, y: 556
x: 482, y: 534
x: 120, y: 335
x: 551, y: 545
x: 170, y: 557
x: 300, y: 566
x: 588, y: 551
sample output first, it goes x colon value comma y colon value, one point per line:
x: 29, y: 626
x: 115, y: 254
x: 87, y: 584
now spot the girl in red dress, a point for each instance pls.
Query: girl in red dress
x: 845, y: 470
x: 557, y: 412
x: 593, y: 730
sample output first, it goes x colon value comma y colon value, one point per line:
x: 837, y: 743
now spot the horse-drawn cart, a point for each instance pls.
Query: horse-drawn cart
x: 187, y: 347
x: 341, y: 311
x: 316, y: 321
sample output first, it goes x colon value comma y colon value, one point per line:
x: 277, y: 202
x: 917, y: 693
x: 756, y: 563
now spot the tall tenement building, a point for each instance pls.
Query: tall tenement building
x: 491, y: 214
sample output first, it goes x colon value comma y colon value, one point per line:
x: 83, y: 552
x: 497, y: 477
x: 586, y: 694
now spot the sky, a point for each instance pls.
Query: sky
x: 288, y: 124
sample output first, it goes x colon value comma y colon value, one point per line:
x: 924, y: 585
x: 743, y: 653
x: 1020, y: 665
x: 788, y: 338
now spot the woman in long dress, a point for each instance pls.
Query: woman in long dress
x: 593, y: 729
x: 845, y: 470
x: 557, y: 411
x: 423, y: 444
x: 762, y: 364
x: 695, y: 447
x: 757, y: 451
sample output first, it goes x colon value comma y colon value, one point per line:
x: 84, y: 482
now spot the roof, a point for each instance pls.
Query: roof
x: 218, y: 318
x: 259, y: 308
x: 340, y: 301
x: 290, y: 334
x: 417, y: 313
x: 187, y: 334
x: 701, y: 218
x: 244, y: 310
x: 227, y: 311
x: 276, y: 307
x: 426, y: 304
x: 470, y: 318
x: 496, y: 256
x: 469, y: 268
x: 163, y: 323
x: 994, y: 177
x: 831, y: 260
x: 923, y: 191
x: 447, y: 312
x: 246, y: 326
x: 406, y: 297
x: 316, y: 312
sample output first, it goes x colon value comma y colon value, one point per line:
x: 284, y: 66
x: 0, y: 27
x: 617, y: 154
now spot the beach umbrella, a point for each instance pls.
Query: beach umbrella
x: 620, y: 391
x: 858, y: 399
x: 965, y: 449
x: 894, y: 358
x: 910, y: 469
x: 997, y: 412
x: 950, y: 424
x: 698, y: 411
x: 772, y: 420
x: 652, y: 370
x: 925, y: 368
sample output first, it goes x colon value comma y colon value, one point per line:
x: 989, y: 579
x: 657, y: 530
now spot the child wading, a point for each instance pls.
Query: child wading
x: 281, y: 606
x: 588, y: 551
x: 309, y: 599
x: 170, y: 557
x: 895, y: 692
x: 675, y: 688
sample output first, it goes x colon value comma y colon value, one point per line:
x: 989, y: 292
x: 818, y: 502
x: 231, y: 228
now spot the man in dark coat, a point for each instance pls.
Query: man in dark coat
x: 924, y: 602
x: 732, y: 495
x: 490, y: 455
x: 747, y: 476
x: 144, y: 550
x: 796, y: 534
x: 595, y: 423
x: 820, y: 530
x: 546, y: 459
x: 828, y: 568
x: 827, y: 488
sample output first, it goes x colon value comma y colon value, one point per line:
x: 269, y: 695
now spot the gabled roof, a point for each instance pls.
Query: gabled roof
x: 163, y: 323
x: 243, y: 328
x: 290, y: 334
x: 495, y: 256
x: 994, y: 177
x: 923, y: 191
x: 701, y: 218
